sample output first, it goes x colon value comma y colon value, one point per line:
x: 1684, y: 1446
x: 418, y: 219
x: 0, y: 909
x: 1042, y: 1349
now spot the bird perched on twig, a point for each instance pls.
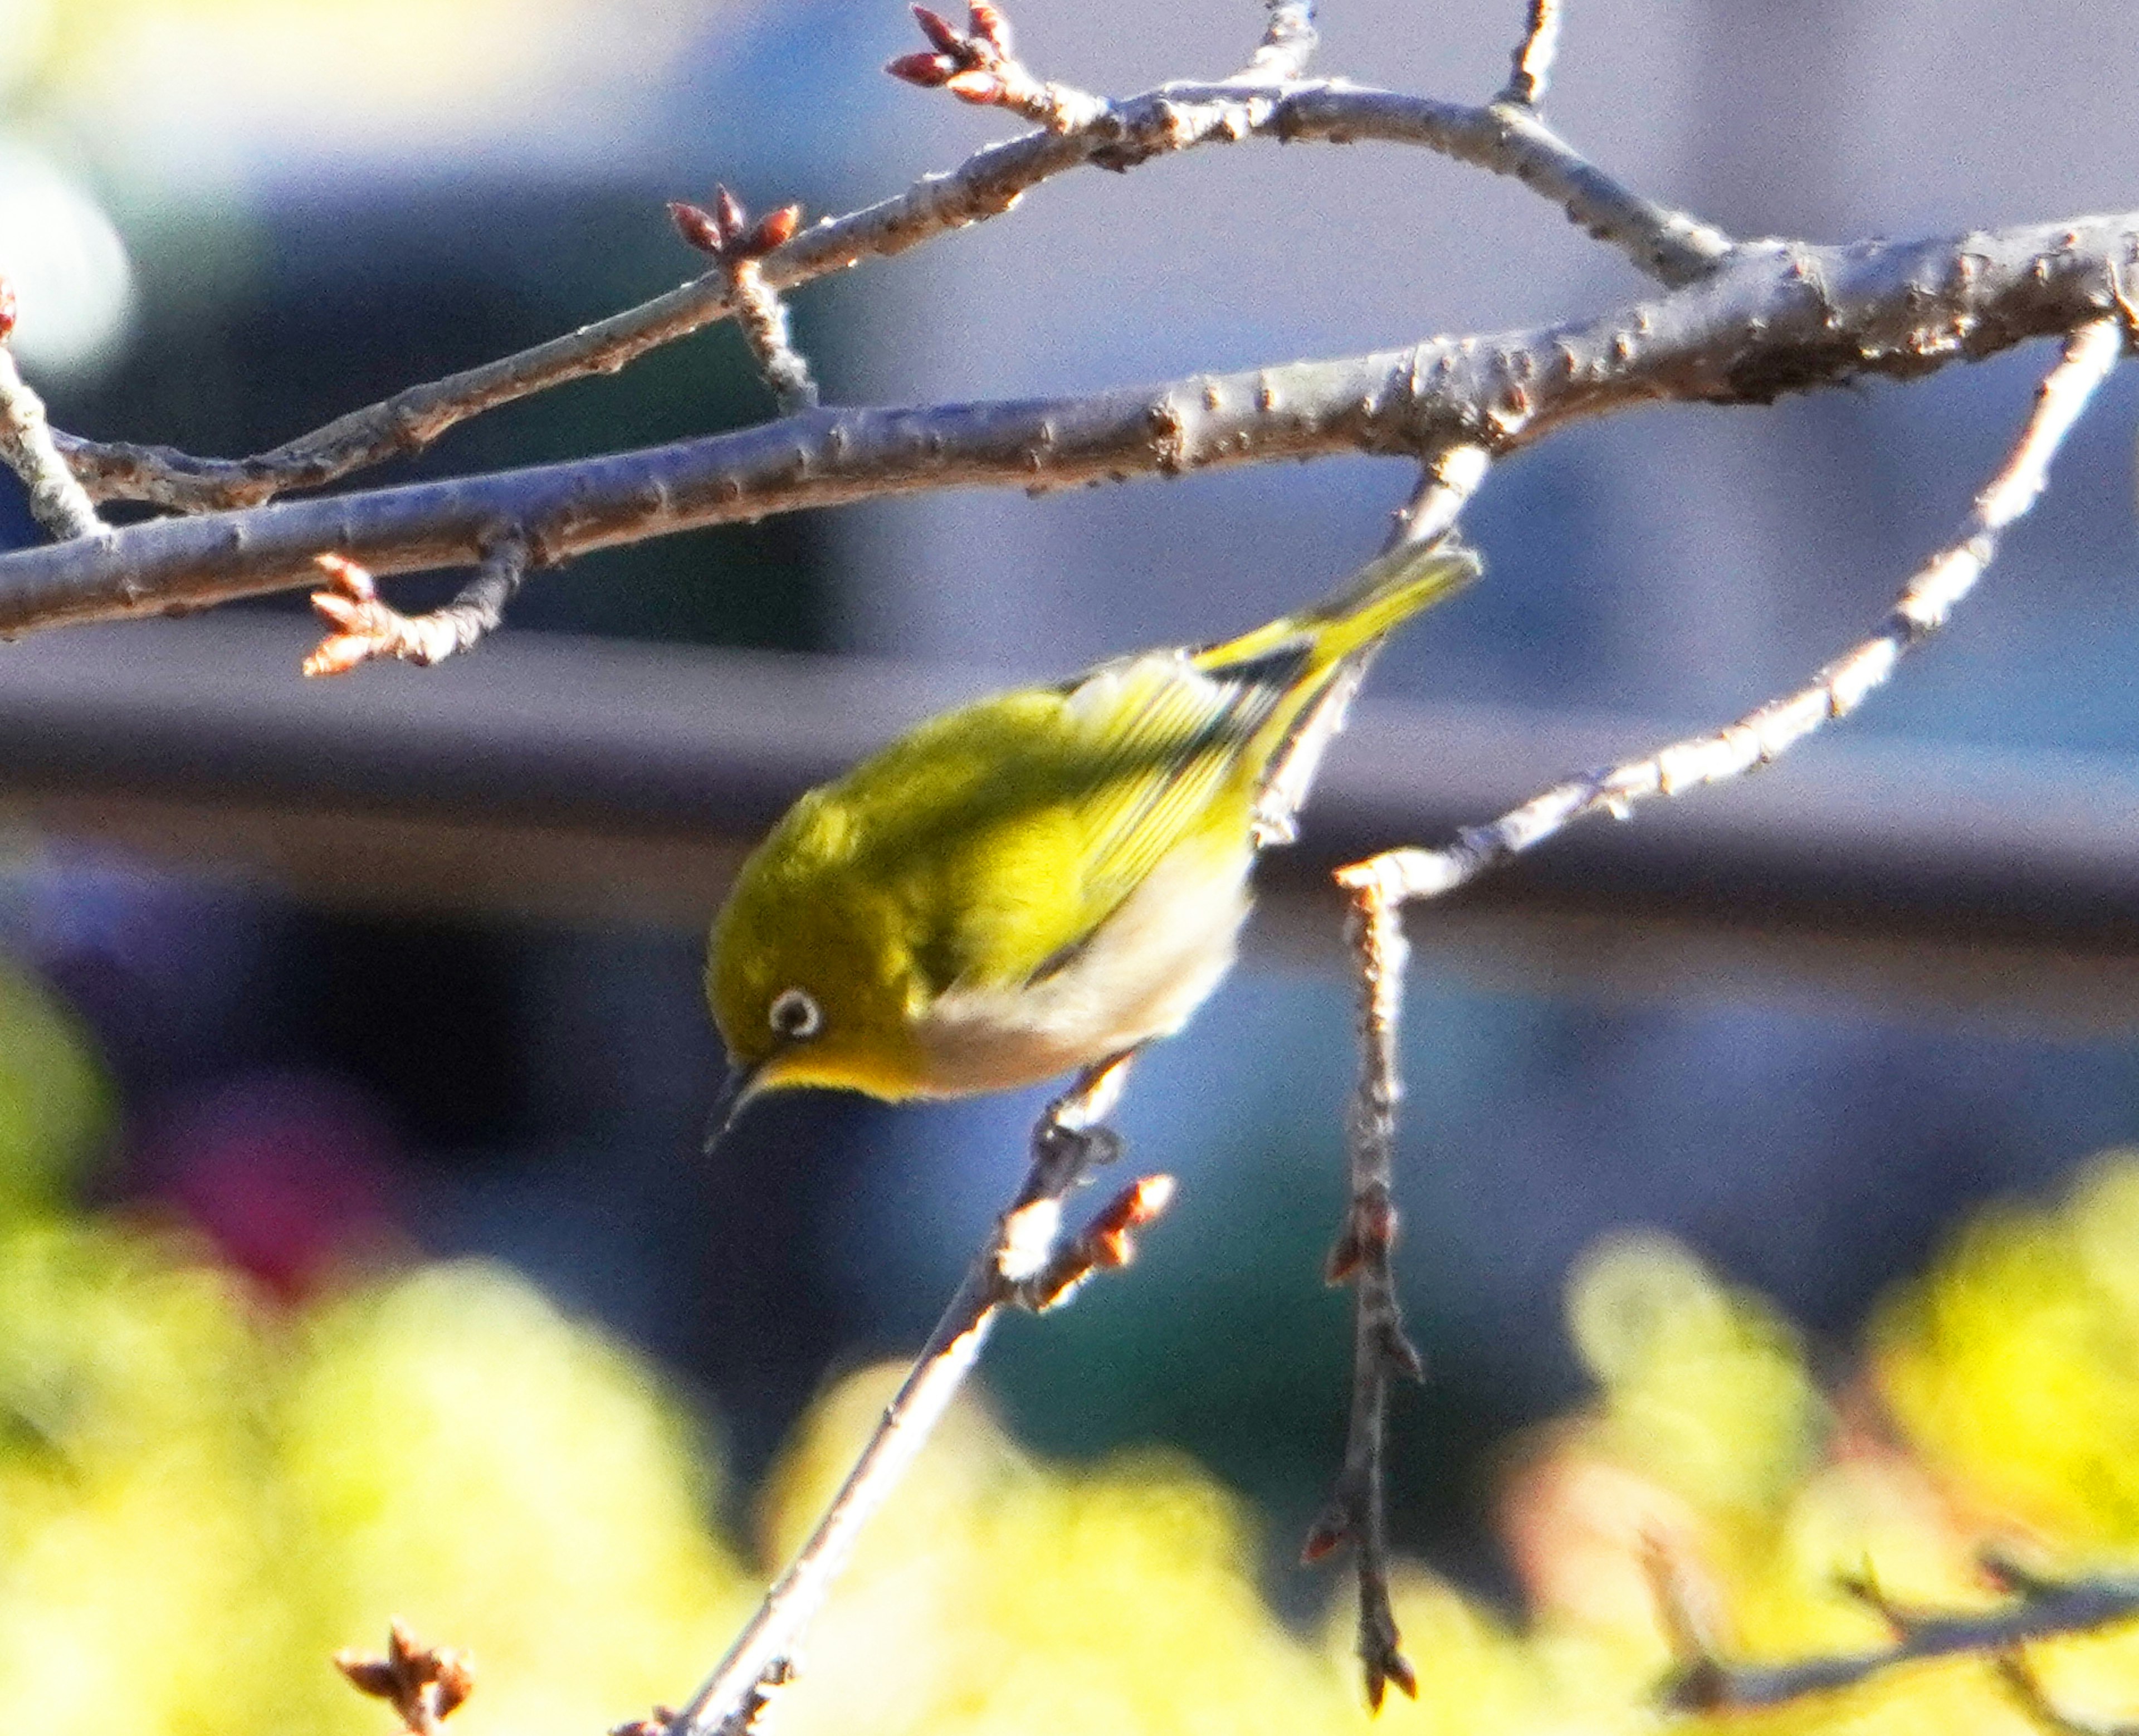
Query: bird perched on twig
x: 1046, y: 880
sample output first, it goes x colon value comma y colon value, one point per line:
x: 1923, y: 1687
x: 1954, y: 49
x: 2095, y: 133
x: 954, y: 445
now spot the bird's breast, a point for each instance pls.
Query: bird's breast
x: 1139, y: 975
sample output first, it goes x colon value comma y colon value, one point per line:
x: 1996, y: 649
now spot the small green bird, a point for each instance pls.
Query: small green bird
x: 1043, y: 879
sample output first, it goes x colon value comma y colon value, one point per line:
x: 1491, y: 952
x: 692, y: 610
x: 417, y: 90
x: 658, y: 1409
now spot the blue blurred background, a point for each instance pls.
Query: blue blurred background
x: 230, y: 220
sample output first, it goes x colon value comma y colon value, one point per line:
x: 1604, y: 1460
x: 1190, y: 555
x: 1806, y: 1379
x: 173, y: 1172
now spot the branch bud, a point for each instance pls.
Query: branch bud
x: 696, y: 226
x: 775, y: 228
x: 940, y: 31
x: 729, y: 213
x: 927, y: 71
x: 990, y: 25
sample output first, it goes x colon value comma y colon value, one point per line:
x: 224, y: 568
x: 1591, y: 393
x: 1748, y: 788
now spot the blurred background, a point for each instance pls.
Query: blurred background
x: 406, y: 966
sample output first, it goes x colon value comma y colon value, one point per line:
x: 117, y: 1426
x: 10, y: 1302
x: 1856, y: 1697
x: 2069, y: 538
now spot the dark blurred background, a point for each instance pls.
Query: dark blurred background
x: 230, y: 220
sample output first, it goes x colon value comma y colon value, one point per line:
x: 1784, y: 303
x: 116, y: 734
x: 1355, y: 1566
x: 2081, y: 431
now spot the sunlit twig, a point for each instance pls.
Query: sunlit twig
x: 1530, y: 68
x: 1024, y: 1264
x: 1836, y: 690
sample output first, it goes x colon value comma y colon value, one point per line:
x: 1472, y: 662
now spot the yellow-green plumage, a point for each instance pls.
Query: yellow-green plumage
x: 1046, y: 878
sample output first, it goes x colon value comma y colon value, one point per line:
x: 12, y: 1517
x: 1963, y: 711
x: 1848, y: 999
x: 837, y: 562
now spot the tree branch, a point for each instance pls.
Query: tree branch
x: 1666, y: 243
x: 1380, y: 1351
x: 1836, y: 689
x: 57, y: 500
x: 1023, y: 1264
x: 1530, y: 69
x: 2042, y: 1610
x: 1289, y: 42
x: 1781, y: 317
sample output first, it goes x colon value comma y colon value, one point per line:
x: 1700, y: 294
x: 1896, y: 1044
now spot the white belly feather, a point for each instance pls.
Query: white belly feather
x: 1143, y: 971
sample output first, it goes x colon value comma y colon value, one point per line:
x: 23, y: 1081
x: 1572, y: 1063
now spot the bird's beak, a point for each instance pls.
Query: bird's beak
x: 735, y: 1092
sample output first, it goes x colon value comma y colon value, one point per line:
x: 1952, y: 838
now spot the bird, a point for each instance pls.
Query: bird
x: 1046, y: 880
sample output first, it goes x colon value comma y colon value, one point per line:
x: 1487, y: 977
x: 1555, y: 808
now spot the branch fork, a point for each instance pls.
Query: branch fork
x: 425, y: 1684
x: 740, y: 247
x: 1023, y: 1264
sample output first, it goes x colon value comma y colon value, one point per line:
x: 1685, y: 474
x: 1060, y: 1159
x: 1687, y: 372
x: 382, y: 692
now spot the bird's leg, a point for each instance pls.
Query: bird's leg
x: 1070, y: 1136
x: 1038, y: 1267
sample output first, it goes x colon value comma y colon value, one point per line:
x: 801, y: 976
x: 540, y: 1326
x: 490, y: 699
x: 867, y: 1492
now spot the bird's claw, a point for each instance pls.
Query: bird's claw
x: 1075, y: 1150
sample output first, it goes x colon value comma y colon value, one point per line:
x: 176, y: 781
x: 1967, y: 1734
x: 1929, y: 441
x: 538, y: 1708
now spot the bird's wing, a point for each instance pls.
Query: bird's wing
x: 1172, y: 739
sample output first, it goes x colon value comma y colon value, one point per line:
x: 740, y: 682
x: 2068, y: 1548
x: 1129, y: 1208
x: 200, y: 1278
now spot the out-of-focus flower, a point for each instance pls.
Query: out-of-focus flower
x: 73, y: 281
x: 289, y: 1174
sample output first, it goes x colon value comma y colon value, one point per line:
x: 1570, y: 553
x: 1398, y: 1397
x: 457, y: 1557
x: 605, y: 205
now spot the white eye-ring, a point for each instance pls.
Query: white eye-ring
x: 796, y: 1015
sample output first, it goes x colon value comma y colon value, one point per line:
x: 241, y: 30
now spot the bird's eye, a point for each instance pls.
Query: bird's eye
x: 794, y: 1014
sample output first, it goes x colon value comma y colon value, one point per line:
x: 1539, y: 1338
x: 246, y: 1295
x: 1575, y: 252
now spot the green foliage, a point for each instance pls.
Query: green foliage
x: 53, y: 1105
x: 202, y: 1499
x: 200, y: 1503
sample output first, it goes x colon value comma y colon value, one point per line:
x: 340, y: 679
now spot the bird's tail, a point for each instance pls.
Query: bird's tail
x: 1383, y: 595
x: 1321, y: 655
x: 1387, y: 592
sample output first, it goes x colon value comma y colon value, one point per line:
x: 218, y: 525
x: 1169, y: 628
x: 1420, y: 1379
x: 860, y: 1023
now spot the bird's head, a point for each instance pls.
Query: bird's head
x: 807, y: 971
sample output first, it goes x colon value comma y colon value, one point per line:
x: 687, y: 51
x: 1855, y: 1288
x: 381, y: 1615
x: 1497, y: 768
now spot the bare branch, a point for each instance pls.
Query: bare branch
x: 1666, y: 243
x: 1836, y: 690
x: 367, y: 628
x: 1530, y: 69
x: 57, y: 500
x: 2026, y: 1688
x: 1020, y: 1266
x: 1380, y: 1351
x: 1781, y: 318
x: 2042, y: 1611
x: 1289, y: 42
x: 1446, y: 484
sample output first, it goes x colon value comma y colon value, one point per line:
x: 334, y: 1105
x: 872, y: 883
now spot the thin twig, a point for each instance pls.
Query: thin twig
x: 2019, y: 1677
x: 726, y: 232
x: 57, y: 500
x: 1289, y: 42
x: 1666, y: 243
x: 2041, y: 1612
x: 1022, y: 1264
x: 1782, y: 318
x: 1380, y: 1351
x: 368, y: 628
x: 1447, y: 482
x: 1835, y: 691
x: 1529, y: 69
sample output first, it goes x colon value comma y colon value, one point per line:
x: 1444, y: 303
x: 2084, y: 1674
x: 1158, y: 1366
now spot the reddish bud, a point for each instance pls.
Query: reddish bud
x: 695, y: 226
x: 7, y: 309
x: 990, y: 26
x: 1397, y: 1667
x: 1324, y: 1538
x: 354, y: 579
x: 927, y: 71
x: 729, y: 213
x: 455, y: 1683
x: 775, y: 229
x: 938, y: 30
x: 373, y: 1676
x: 974, y: 87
